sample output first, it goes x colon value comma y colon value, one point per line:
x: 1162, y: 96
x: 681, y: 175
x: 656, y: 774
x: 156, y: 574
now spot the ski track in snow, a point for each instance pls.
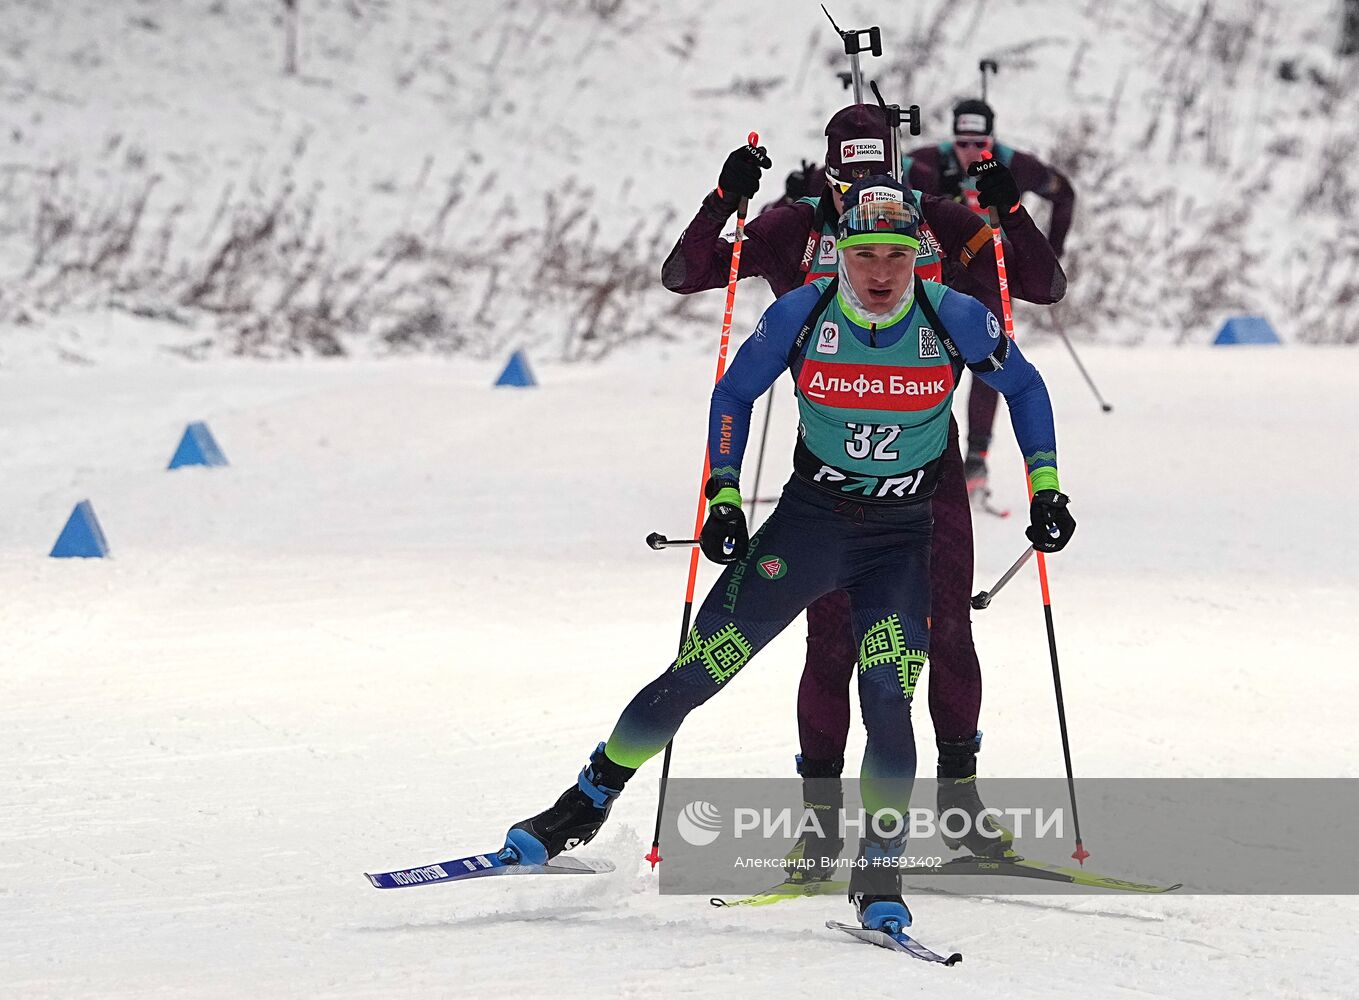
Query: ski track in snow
x: 411, y: 606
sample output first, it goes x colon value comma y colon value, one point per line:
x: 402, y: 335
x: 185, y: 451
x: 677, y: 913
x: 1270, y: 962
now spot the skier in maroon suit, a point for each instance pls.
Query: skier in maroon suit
x: 942, y: 170
x: 789, y: 245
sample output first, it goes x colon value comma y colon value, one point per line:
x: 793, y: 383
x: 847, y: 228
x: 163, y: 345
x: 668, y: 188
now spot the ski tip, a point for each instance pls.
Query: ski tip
x: 717, y: 901
x: 954, y: 959
x: 372, y: 879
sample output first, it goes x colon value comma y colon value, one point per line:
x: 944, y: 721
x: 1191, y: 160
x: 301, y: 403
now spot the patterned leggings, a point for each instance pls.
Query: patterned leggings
x: 813, y: 544
x: 955, y: 675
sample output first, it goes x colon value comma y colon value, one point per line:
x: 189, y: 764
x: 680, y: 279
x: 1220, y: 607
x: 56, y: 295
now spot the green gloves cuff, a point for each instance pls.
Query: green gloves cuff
x: 1044, y: 478
x: 728, y: 495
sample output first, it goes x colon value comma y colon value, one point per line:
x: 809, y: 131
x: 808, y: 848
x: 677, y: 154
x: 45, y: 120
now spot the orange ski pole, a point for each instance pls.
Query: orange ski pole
x: 753, y: 140
x: 1080, y: 854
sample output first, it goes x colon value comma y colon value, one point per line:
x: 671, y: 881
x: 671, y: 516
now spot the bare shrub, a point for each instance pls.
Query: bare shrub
x: 276, y: 277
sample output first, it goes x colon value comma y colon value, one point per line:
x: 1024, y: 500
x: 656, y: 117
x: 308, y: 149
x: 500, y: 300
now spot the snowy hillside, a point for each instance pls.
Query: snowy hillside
x: 466, y: 177
x: 438, y: 633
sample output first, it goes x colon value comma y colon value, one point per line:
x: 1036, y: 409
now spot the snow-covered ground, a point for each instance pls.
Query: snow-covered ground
x: 413, y: 603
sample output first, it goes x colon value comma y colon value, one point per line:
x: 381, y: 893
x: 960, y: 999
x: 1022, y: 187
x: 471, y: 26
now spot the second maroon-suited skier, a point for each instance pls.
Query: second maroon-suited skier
x: 942, y: 170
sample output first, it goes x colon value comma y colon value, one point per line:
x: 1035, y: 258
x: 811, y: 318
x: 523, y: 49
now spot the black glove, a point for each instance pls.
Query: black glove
x: 740, y: 177
x: 724, y: 538
x: 1050, y: 523
x: 996, y: 187
x: 800, y: 183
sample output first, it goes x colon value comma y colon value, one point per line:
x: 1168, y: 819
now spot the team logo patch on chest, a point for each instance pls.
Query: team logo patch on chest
x: 929, y: 344
x: 875, y: 387
x: 828, y: 340
x: 828, y: 254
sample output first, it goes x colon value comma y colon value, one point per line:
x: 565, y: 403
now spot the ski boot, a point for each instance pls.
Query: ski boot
x: 984, y: 838
x: 814, y: 856
x: 573, y: 819
x: 875, y: 885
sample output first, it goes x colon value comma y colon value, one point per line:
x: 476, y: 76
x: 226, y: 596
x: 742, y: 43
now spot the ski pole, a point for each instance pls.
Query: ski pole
x: 1061, y: 332
x: 1080, y: 854
x: 982, y: 600
x: 753, y: 140
x: 759, y: 462
x: 658, y: 541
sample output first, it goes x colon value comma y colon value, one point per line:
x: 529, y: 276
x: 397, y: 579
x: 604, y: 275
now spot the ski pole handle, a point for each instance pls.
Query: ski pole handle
x: 1002, y: 276
x: 742, y: 207
x: 982, y: 600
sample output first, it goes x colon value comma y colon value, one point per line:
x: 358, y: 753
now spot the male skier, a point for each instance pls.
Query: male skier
x: 795, y: 244
x: 875, y: 355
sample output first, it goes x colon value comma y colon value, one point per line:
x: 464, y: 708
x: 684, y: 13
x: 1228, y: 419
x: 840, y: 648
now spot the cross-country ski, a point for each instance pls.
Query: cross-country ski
x: 481, y: 866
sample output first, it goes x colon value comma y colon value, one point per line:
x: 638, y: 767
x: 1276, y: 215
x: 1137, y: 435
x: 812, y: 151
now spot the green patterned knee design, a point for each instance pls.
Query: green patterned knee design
x: 722, y: 654
x: 885, y: 645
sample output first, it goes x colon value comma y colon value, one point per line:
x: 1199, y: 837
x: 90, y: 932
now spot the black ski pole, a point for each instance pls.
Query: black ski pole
x: 982, y: 600
x: 1061, y: 332
x: 1080, y: 853
x: 759, y: 462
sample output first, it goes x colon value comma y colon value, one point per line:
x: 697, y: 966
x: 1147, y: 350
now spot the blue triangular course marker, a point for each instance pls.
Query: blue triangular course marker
x: 82, y: 538
x: 1247, y: 330
x: 197, y: 447
x: 517, y: 372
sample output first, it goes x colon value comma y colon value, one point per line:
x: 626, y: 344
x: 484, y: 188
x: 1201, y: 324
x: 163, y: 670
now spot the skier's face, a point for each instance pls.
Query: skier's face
x: 969, y: 148
x: 880, y: 273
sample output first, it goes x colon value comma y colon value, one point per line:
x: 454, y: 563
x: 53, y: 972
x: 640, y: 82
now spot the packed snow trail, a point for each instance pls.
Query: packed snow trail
x: 404, y: 615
